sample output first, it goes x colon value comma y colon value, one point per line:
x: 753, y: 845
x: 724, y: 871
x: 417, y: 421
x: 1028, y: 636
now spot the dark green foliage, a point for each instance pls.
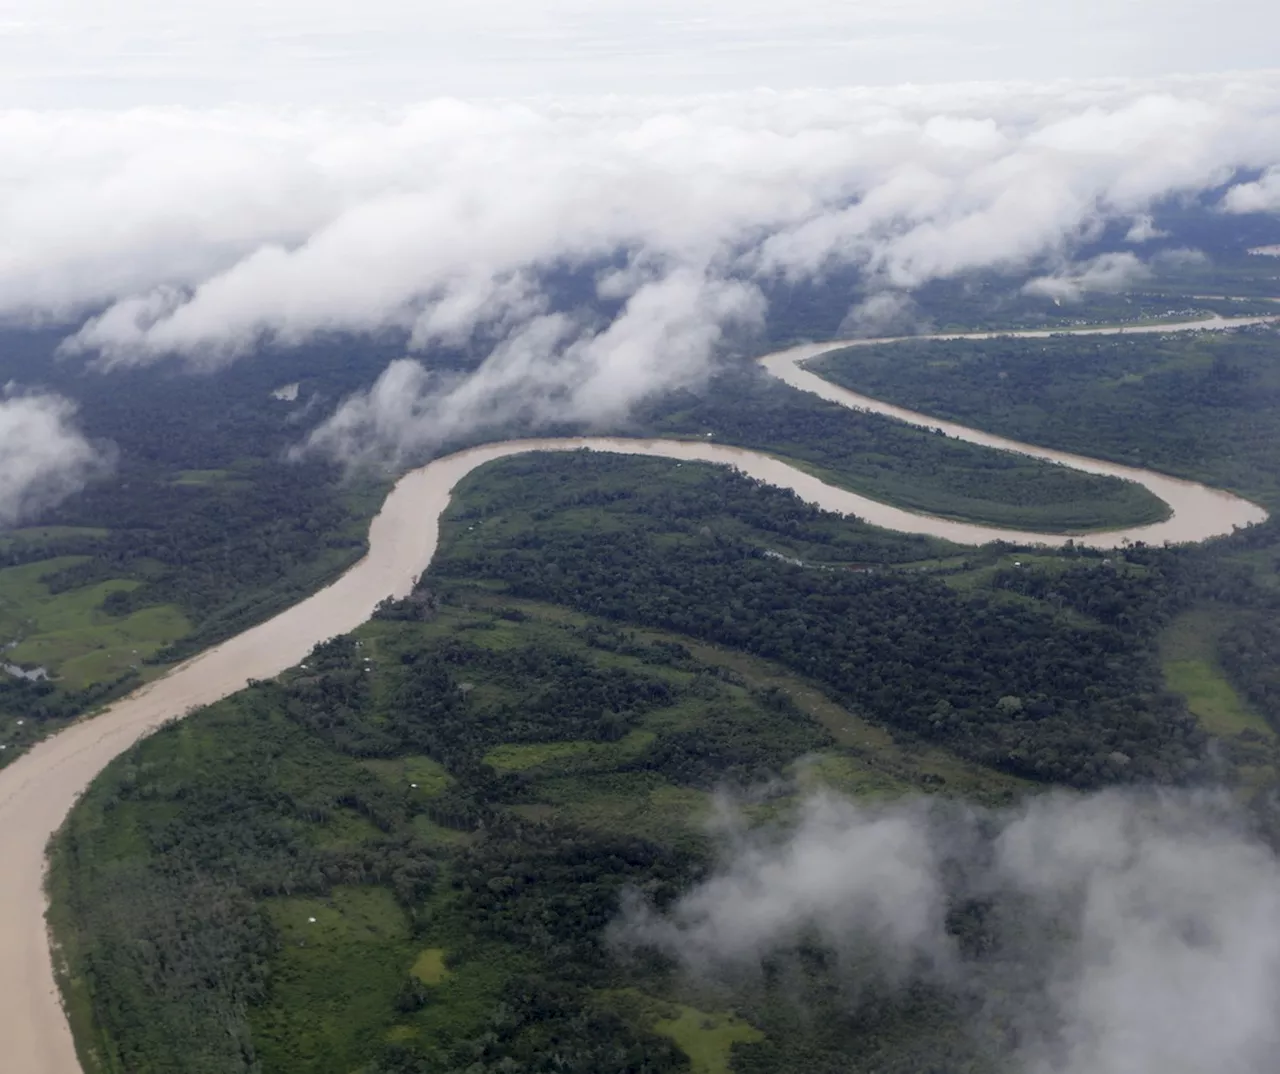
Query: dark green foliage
x: 170, y: 935
x: 722, y: 749
x: 1136, y: 601
x: 202, y: 508
x: 1204, y: 406
x: 561, y: 697
x: 899, y: 464
x: 43, y: 701
x: 809, y: 1021
x: 179, y: 872
x: 281, y: 795
x: 226, y: 820
x: 413, y: 996
x: 1250, y: 653
x: 225, y: 552
x: 175, y: 958
x: 205, y: 513
x: 553, y: 890
x: 906, y: 650
x: 543, y: 1027
x: 528, y: 497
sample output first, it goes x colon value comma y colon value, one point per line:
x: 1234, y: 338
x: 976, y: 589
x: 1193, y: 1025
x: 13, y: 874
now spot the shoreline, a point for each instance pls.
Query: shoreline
x: 39, y: 789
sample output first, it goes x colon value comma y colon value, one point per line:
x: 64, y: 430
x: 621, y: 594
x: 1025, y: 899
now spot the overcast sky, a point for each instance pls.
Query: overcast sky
x: 91, y: 53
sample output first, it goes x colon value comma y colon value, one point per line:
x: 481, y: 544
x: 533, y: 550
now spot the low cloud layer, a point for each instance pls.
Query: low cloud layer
x: 43, y: 457
x: 1126, y: 932
x: 1106, y: 272
x: 550, y: 369
x: 1260, y: 196
x: 205, y: 234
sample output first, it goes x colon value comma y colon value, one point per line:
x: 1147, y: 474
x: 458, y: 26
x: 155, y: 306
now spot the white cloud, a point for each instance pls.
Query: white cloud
x: 549, y: 369
x: 885, y: 313
x: 1106, y: 272
x: 204, y: 233
x: 1180, y: 257
x: 854, y: 877
x: 1174, y: 917
x: 1260, y: 196
x: 1143, y: 229
x: 288, y: 224
x: 1126, y: 932
x: 43, y: 457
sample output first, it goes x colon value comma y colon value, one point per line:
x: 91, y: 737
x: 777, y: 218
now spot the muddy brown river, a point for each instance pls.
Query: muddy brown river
x: 38, y: 790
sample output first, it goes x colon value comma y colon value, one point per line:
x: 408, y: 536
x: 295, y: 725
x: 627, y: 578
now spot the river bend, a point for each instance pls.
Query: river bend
x: 38, y: 790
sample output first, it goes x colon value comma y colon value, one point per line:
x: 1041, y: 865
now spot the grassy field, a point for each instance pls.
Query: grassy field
x: 113, y: 615
x: 1187, y: 652
x: 210, y: 477
x: 341, y: 960
x: 420, y: 774
x: 429, y: 967
x: 707, y: 1038
x: 69, y: 634
x: 1214, y: 700
x: 87, y: 654
x: 1189, y: 661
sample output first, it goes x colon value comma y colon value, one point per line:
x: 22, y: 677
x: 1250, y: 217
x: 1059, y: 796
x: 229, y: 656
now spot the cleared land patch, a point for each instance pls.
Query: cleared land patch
x: 70, y: 634
x: 429, y: 967
x: 707, y: 1038
x: 1187, y: 649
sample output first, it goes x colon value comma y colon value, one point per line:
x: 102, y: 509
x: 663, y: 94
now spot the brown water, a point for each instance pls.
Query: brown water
x: 1199, y: 512
x: 38, y: 790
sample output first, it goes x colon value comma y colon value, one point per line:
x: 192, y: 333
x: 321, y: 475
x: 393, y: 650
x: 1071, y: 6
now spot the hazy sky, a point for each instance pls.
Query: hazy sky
x: 87, y: 53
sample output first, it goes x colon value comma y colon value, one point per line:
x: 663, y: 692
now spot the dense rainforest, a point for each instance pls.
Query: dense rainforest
x: 907, y: 650
x: 407, y: 854
x: 206, y: 524
x: 1200, y: 405
x: 410, y: 854
x: 897, y: 463
x: 198, y: 529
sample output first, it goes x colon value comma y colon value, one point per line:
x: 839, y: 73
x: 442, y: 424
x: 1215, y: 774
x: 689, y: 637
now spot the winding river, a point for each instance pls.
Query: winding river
x: 38, y: 790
